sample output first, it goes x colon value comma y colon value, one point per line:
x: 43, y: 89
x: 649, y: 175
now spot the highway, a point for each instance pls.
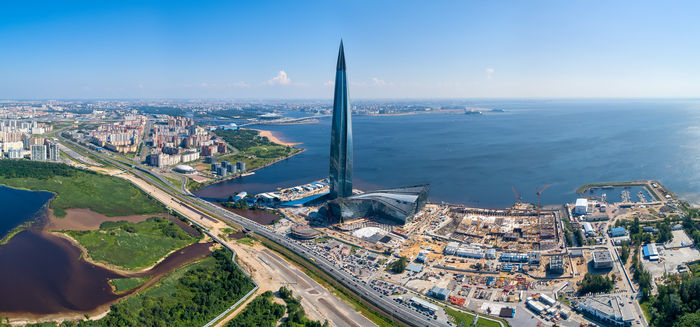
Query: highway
x: 390, y: 307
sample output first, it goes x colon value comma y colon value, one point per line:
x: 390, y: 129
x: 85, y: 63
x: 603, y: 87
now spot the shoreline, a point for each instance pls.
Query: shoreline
x: 119, y: 270
x: 273, y: 138
x: 252, y: 170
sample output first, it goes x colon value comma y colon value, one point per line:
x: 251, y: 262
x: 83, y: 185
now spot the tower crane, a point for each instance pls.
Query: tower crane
x: 539, y: 207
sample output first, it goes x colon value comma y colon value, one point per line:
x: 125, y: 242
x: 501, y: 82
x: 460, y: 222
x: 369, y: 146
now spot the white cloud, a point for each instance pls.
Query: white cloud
x: 329, y: 83
x: 378, y: 82
x: 241, y: 84
x: 204, y: 85
x: 281, y: 79
x: 489, y: 72
x: 141, y: 86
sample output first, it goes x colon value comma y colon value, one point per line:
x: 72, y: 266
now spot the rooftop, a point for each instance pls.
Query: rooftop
x: 610, y: 305
x: 602, y: 256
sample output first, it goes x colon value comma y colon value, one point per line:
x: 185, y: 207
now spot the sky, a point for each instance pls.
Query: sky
x: 394, y: 49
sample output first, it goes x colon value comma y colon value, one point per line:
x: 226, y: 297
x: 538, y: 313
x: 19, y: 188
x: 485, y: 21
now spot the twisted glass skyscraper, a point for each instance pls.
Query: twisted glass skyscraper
x: 341, y: 135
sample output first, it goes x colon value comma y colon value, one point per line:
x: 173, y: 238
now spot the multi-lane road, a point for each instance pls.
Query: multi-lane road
x: 390, y: 307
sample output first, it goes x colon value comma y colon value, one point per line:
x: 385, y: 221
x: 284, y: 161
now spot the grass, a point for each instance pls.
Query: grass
x: 564, y: 300
x: 367, y: 309
x: 228, y: 230
x: 694, y: 268
x: 107, y: 195
x: 247, y: 240
x: 254, y: 150
x: 646, y: 309
x: 133, y: 246
x: 126, y: 284
x: 466, y: 319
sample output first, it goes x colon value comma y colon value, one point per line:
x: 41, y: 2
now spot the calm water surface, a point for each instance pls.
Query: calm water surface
x: 475, y: 159
x: 19, y: 206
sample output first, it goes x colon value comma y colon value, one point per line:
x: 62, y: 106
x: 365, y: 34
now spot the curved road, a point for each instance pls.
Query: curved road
x: 390, y: 307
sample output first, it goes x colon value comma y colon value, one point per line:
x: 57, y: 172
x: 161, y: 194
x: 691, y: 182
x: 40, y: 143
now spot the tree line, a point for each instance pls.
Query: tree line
x: 20, y: 168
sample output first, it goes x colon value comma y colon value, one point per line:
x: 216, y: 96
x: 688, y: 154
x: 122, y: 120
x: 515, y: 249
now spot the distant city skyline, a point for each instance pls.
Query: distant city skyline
x: 401, y: 49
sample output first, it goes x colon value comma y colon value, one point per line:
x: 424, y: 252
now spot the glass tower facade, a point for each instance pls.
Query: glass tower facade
x: 341, y: 135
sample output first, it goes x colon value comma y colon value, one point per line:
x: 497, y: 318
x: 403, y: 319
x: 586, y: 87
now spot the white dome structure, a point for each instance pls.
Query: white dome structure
x: 185, y: 169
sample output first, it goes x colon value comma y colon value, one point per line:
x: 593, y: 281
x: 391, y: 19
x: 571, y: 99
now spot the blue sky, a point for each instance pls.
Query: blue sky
x: 394, y: 49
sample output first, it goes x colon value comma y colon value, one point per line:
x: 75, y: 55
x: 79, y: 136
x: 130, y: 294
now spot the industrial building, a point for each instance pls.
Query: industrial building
x: 556, y: 264
x: 424, y: 305
x: 588, y: 229
x: 507, y: 312
x: 602, y: 259
x: 451, y: 248
x: 514, y: 257
x: 620, y: 240
x: 581, y: 207
x: 491, y: 254
x: 618, y: 231
x: 414, y: 268
x: 469, y: 251
x: 610, y: 310
x: 650, y: 252
x: 438, y: 293
x: 547, y: 300
x: 535, y: 306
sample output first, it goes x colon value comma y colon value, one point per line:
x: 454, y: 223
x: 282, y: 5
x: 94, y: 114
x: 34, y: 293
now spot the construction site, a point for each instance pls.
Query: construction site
x: 523, y: 227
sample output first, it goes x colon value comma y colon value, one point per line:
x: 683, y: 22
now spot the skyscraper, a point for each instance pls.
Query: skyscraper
x: 397, y: 204
x: 341, y: 134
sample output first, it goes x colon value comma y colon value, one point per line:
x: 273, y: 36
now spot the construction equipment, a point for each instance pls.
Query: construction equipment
x: 519, y: 197
x: 539, y: 193
x: 539, y: 207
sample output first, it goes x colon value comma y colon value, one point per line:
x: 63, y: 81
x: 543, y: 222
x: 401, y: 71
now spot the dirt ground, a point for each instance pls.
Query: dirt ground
x: 86, y: 219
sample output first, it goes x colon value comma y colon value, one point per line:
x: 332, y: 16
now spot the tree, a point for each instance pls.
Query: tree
x: 625, y: 252
x: 689, y: 320
x: 399, y: 265
x: 634, y: 229
x: 579, y: 237
x: 594, y: 283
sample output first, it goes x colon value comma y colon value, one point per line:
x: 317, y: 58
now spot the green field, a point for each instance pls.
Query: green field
x: 77, y: 188
x: 246, y: 240
x: 133, y: 245
x: 466, y: 319
x: 125, y: 284
x: 254, y: 150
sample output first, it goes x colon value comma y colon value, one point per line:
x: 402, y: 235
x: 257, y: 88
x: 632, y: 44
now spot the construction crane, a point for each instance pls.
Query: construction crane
x: 519, y: 197
x: 539, y: 193
x: 539, y: 207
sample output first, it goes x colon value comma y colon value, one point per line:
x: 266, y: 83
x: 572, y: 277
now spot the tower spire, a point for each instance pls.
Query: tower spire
x: 341, y: 134
x: 341, y: 57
